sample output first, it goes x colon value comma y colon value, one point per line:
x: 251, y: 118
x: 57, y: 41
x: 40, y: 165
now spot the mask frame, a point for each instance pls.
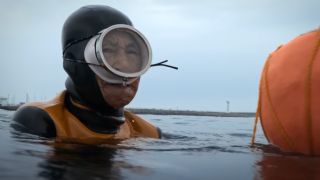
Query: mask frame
x: 94, y: 55
x: 116, y: 77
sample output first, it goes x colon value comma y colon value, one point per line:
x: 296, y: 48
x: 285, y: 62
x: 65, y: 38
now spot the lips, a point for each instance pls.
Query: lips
x: 127, y: 94
x: 118, y: 96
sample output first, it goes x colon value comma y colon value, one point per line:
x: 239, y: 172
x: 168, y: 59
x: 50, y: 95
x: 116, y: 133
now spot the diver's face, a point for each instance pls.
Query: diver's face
x: 122, y: 52
x: 118, y: 96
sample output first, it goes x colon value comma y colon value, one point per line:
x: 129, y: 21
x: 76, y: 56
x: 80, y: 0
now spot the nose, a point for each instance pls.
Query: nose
x: 122, y: 62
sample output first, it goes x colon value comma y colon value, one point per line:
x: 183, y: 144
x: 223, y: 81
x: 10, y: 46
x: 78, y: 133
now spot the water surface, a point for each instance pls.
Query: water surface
x: 192, y: 148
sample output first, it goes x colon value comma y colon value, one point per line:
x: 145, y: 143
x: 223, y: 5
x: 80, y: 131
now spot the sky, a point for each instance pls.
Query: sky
x: 219, y: 46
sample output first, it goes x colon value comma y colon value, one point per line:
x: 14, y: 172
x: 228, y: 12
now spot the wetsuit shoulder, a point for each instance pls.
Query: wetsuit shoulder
x: 142, y: 126
x: 34, y: 120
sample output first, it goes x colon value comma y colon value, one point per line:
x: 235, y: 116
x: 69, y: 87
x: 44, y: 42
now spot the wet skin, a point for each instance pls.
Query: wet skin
x: 118, y: 96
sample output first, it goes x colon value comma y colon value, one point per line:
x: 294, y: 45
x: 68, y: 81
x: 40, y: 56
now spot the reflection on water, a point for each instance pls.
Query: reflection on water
x: 191, y: 148
x: 288, y: 167
x: 274, y: 164
x: 79, y: 162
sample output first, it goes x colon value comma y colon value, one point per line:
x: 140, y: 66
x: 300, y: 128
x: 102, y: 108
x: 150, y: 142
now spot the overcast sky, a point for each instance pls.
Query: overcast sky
x: 219, y: 46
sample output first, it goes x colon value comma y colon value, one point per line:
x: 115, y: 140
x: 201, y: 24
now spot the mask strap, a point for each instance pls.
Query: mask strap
x: 77, y: 41
x: 82, y: 61
x: 162, y: 64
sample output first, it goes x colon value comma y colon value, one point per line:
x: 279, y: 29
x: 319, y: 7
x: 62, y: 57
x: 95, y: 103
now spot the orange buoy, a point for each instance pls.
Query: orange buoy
x: 289, y: 95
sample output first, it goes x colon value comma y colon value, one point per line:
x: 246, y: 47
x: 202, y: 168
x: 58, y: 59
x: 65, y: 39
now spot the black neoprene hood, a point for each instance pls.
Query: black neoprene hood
x: 85, y: 22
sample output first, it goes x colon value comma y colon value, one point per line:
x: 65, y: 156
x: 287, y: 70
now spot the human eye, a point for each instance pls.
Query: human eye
x: 132, y: 51
x: 108, y: 50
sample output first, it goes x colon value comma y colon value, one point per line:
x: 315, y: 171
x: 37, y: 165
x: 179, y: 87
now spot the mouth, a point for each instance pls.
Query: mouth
x: 118, y: 95
x: 124, y: 90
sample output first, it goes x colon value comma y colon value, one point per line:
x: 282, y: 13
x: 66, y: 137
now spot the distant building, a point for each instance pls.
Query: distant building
x: 3, y: 101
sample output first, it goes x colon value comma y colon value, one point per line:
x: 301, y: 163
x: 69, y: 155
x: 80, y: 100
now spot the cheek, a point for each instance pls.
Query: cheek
x: 109, y: 91
x: 135, y: 84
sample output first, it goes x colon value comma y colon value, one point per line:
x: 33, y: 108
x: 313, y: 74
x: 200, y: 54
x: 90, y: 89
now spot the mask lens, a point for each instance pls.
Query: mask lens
x: 125, y: 51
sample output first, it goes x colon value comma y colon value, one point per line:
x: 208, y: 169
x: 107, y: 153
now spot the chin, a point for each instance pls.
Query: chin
x: 121, y: 104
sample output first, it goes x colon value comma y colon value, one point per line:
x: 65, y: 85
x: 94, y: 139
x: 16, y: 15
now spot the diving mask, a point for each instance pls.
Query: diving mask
x: 122, y: 52
x: 118, y: 54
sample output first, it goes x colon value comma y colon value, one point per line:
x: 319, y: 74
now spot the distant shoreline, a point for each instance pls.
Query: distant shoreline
x: 170, y: 112
x: 190, y: 113
x: 9, y: 107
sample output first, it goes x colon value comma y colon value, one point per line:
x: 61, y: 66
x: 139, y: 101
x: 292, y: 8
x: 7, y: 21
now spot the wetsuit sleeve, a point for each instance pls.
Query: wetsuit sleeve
x: 33, y: 120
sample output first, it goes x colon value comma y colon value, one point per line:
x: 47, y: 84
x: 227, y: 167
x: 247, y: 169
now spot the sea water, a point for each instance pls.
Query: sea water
x: 192, y: 147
